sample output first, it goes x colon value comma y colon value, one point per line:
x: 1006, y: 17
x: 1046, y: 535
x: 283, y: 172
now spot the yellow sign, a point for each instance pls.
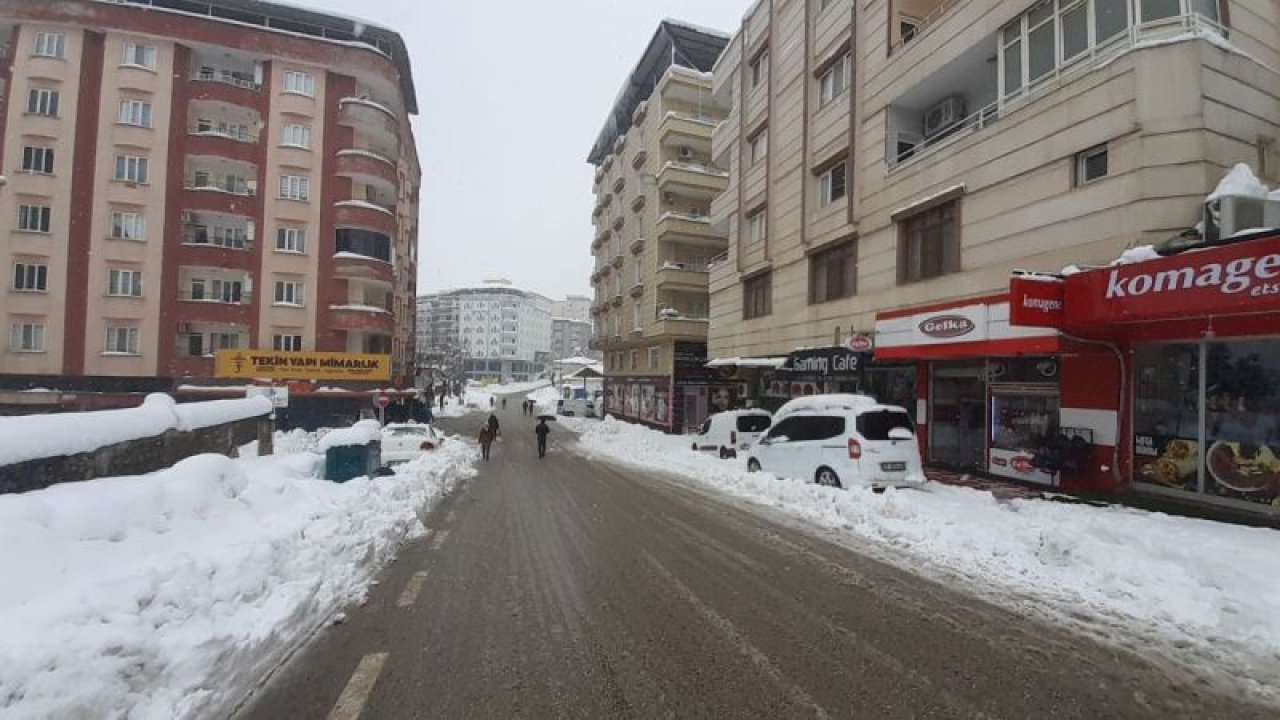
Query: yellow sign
x: 276, y: 365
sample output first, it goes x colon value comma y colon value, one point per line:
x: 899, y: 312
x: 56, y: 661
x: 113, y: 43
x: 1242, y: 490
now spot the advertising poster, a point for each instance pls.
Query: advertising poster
x: 1167, y: 461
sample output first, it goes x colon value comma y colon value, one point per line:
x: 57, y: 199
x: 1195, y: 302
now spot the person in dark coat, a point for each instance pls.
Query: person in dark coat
x: 542, y: 430
x: 486, y: 441
x: 493, y: 424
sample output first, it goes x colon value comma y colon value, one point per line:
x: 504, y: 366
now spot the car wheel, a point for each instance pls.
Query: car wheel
x: 753, y: 465
x: 827, y: 477
x: 695, y: 447
x: 724, y: 453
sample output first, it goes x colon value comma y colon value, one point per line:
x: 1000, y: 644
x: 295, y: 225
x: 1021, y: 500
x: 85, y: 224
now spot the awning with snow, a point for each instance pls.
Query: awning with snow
x: 764, y: 362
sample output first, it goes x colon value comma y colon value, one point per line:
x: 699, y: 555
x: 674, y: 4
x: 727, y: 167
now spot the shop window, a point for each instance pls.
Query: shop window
x: 757, y: 296
x: 832, y: 274
x: 929, y: 243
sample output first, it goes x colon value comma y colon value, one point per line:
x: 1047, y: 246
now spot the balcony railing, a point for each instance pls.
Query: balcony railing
x: 217, y: 237
x: 232, y: 185
x: 693, y: 167
x: 227, y: 77
x: 943, y: 8
x: 226, y: 297
x: 238, y: 134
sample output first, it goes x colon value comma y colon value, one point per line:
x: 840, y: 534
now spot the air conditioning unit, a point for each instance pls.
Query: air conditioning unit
x: 1231, y: 214
x: 686, y: 152
x: 943, y: 116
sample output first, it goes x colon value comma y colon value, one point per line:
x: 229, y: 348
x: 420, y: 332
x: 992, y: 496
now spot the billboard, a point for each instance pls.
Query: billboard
x: 278, y: 365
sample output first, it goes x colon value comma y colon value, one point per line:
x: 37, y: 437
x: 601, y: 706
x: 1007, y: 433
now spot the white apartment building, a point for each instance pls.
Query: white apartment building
x: 496, y: 331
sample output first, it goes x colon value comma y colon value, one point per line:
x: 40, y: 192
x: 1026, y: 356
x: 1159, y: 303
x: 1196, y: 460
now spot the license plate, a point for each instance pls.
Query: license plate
x: 893, y: 466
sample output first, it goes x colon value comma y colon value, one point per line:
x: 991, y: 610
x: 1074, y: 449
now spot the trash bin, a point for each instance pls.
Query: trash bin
x: 344, y: 462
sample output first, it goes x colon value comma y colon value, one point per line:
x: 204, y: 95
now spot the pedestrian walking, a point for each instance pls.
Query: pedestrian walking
x: 486, y: 440
x: 542, y: 430
x: 504, y: 403
x: 492, y: 423
x: 491, y: 402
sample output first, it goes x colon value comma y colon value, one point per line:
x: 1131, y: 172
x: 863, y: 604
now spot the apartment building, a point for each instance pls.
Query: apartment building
x: 494, y: 332
x: 185, y: 177
x: 573, y: 307
x: 571, y: 338
x: 890, y: 162
x: 654, y: 240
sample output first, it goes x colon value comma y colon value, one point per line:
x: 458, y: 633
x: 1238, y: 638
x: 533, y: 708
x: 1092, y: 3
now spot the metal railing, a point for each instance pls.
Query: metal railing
x: 238, y: 134
x: 233, y: 185
x: 226, y: 297
x: 226, y: 77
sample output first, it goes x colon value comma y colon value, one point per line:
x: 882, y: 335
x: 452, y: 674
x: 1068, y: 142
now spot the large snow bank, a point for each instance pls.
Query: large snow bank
x: 31, y: 437
x: 169, y: 595
x: 1200, y: 593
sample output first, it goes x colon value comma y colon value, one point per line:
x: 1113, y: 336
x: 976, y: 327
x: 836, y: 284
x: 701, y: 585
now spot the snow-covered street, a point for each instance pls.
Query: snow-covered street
x: 170, y: 595
x: 1200, y: 593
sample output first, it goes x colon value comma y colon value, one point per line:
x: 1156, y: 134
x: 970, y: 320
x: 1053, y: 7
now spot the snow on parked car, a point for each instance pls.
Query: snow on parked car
x: 402, y: 442
x: 732, y: 430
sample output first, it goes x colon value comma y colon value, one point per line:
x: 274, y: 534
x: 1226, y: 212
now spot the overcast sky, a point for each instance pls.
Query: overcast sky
x: 511, y: 95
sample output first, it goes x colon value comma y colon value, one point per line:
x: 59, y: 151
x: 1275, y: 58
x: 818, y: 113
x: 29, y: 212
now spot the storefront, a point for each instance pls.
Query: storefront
x: 986, y: 392
x: 669, y: 403
x: 1178, y: 371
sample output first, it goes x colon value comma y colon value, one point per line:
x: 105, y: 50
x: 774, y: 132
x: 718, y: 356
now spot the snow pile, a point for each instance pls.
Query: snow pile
x: 453, y: 407
x: 545, y: 400
x: 1201, y: 593
x: 32, y: 437
x: 1239, y: 180
x: 362, y: 433
x: 1139, y: 254
x: 478, y: 396
x: 169, y: 595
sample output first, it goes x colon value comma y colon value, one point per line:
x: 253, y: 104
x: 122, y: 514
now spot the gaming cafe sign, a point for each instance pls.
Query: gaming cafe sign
x: 825, y: 362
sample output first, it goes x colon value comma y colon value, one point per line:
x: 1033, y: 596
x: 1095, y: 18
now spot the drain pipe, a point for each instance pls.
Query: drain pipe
x: 1115, y: 349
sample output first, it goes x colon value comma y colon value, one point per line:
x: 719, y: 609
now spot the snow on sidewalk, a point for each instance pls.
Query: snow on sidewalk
x: 169, y: 595
x: 1203, y: 594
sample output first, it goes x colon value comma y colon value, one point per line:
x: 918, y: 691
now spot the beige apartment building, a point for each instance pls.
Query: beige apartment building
x: 196, y: 176
x: 654, y: 183
x: 892, y: 161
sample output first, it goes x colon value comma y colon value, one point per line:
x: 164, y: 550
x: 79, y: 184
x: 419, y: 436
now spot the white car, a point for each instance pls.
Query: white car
x: 732, y: 430
x: 841, y: 441
x: 402, y: 442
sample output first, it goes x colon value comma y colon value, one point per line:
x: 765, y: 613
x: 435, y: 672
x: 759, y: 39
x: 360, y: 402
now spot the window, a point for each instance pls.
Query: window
x: 122, y: 341
x: 757, y: 226
x: 368, y: 243
x: 131, y: 168
x: 224, y: 341
x: 29, y: 277
x: 758, y: 145
x: 760, y: 69
x: 835, y: 80
x: 1110, y: 18
x: 292, y: 240
x: 289, y: 293
x: 134, y: 112
x: 1091, y: 165
x: 136, y: 55
x: 831, y: 184
x: 37, y: 159
x: 929, y: 243
x: 299, y: 82
x: 1073, y: 24
x: 42, y: 102
x: 224, y: 291
x: 294, y: 187
x: 128, y: 225
x: 833, y: 273
x: 124, y: 283
x: 655, y: 356
x: 907, y: 29
x: 34, y: 218
x: 637, y: 323
x: 635, y: 359
x: 298, y: 136
x: 757, y: 296
x: 1041, y: 52
x: 286, y: 343
x: 53, y: 45
x: 1159, y: 9
x: 26, y: 337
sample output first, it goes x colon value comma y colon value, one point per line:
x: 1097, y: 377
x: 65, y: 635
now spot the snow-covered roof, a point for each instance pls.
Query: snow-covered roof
x: 761, y: 362
x: 833, y: 401
x: 1239, y: 180
x: 362, y: 433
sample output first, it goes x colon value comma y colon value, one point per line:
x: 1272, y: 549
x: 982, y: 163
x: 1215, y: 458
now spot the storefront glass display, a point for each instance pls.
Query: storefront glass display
x: 957, y: 420
x: 1024, y: 420
x: 1166, y: 415
x: 892, y: 386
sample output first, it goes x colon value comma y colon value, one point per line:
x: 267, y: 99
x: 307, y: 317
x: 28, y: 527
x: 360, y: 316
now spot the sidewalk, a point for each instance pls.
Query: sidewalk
x: 1002, y: 489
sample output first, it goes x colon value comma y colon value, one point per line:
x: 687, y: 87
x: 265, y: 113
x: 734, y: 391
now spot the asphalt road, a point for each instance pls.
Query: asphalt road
x: 569, y: 588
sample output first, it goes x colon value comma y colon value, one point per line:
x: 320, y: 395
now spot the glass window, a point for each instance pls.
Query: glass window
x: 1012, y: 65
x: 131, y: 168
x: 29, y: 277
x: 1166, y: 415
x: 1207, y: 8
x: 124, y: 283
x: 52, y: 45
x: 875, y: 425
x: 1075, y: 30
x: 1091, y: 165
x: 122, y: 341
x: 760, y: 69
x: 34, y: 218
x: 136, y: 55
x: 1110, y: 18
x: 831, y: 184
x: 1041, y: 52
x: 294, y: 187
x: 134, y: 112
x: 42, y: 102
x: 26, y: 337
x: 756, y: 296
x: 292, y: 240
x: 299, y: 82
x: 753, y: 423
x: 758, y: 146
x: 929, y: 244
x: 128, y: 225
x: 757, y: 226
x: 37, y: 159
x: 298, y: 136
x: 1242, y: 420
x: 832, y: 274
x: 1159, y: 9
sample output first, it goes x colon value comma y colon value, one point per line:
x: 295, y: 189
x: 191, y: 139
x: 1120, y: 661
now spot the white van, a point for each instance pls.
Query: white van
x: 577, y: 401
x: 730, y: 431
x: 841, y: 441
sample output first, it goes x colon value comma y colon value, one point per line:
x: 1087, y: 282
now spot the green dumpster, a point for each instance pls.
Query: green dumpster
x: 352, y: 452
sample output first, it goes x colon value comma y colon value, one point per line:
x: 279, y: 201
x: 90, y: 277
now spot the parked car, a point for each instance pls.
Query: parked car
x: 402, y: 442
x: 732, y: 430
x: 578, y: 401
x: 841, y: 441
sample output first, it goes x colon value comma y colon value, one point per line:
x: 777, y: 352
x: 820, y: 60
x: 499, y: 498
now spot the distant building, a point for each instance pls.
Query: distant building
x: 495, y: 332
x: 573, y: 307
x: 571, y: 338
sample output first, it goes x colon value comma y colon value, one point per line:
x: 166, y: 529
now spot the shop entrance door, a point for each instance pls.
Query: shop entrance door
x: 957, y: 417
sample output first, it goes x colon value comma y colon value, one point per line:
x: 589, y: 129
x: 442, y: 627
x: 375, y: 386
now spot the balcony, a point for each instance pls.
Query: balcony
x: 227, y: 194
x: 617, y: 260
x: 674, y: 324
x: 637, y: 246
x: 369, y: 116
x: 235, y: 87
x: 682, y: 277
x: 617, y: 300
x: 234, y: 144
x: 361, y: 318
x: 364, y: 214
x: 692, y: 180
x: 368, y: 167
x: 353, y: 266
x: 694, y: 229
x: 224, y: 308
x: 687, y: 128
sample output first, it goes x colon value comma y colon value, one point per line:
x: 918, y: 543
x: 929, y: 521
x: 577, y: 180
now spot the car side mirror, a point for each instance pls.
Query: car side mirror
x: 901, y: 433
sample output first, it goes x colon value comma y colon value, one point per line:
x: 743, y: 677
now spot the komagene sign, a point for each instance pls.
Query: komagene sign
x: 1036, y: 301
x: 1239, y: 278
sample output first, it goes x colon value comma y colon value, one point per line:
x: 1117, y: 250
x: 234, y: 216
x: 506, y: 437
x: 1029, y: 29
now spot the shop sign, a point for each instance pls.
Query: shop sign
x: 1239, y: 278
x: 1036, y: 302
x: 276, y: 365
x: 1017, y: 464
x: 860, y: 342
x: 963, y: 324
x: 825, y: 362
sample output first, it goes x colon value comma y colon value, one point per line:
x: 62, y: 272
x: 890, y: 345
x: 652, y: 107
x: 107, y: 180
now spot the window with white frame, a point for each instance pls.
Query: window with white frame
x: 37, y: 159
x: 760, y: 69
x: 134, y: 112
x: 294, y: 187
x: 286, y: 343
x: 289, y: 292
x: 30, y: 277
x: 295, y: 135
x: 138, y: 55
x: 299, y: 82
x: 42, y: 101
x: 126, y: 225
x: 34, y: 218
x: 757, y: 226
x: 758, y: 146
x: 51, y: 45
x: 831, y: 184
x: 293, y: 240
x: 26, y: 337
x: 124, y: 283
x: 132, y: 168
x: 637, y: 318
x: 835, y: 79
x: 122, y: 340
x: 655, y: 357
x: 1091, y: 165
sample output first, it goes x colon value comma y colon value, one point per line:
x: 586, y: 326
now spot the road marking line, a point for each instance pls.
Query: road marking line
x: 410, y: 594
x: 439, y: 539
x: 351, y: 703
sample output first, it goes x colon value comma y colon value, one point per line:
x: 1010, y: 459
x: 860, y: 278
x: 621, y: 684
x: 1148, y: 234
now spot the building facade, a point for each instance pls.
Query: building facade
x: 573, y: 307
x: 654, y: 240
x: 571, y: 338
x: 185, y: 178
x: 891, y: 162
x: 495, y: 332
